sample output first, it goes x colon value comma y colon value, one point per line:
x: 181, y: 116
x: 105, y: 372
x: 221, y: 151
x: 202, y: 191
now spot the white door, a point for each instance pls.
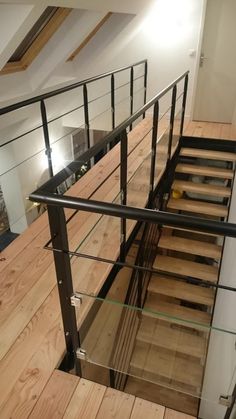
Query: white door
x: 216, y: 87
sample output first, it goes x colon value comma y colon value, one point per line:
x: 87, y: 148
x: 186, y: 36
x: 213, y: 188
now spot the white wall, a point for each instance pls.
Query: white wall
x: 166, y: 34
x: 220, y: 376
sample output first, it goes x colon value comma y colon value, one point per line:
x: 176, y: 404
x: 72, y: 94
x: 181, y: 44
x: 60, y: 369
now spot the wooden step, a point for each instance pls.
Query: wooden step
x: 164, y: 396
x: 201, y: 188
x: 198, y: 207
x: 173, y: 337
x: 164, y: 285
x: 194, y: 169
x: 190, y: 231
x: 186, y: 268
x: 194, y: 247
x: 164, y: 367
x: 153, y: 307
x: 208, y: 154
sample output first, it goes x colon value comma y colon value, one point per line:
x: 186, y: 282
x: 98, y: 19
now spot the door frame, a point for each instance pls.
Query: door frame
x: 197, y: 62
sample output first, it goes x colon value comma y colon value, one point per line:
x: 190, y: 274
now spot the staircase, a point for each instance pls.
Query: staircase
x: 171, y: 344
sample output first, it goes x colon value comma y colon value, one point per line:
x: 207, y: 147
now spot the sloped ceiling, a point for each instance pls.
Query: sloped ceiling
x: 50, y: 68
x: 121, y: 6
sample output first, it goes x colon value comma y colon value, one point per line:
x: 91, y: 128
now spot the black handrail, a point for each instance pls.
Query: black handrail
x: 138, y: 214
x: 56, y: 92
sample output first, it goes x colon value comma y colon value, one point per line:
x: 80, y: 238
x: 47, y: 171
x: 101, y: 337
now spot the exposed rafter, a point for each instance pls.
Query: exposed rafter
x: 89, y: 37
x: 38, y: 44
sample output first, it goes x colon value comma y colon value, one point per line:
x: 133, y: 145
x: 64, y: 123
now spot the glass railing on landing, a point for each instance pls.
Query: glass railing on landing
x: 144, y: 348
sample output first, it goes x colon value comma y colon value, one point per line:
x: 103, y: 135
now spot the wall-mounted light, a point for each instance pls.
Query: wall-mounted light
x: 168, y: 22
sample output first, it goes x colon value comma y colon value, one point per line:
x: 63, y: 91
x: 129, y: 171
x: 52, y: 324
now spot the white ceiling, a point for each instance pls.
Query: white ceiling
x: 16, y: 19
x: 121, y: 6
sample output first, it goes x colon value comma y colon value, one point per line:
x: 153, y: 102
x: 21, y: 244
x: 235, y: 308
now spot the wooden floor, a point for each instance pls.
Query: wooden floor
x: 31, y: 335
x: 68, y: 397
x: 210, y: 130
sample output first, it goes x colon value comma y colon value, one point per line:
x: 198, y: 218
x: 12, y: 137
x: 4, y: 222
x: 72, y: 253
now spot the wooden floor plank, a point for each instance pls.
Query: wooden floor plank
x: 55, y: 397
x: 86, y: 401
x: 172, y: 414
x: 22, y: 313
x: 143, y: 408
x: 20, y: 244
x: 29, y: 382
x: 116, y: 405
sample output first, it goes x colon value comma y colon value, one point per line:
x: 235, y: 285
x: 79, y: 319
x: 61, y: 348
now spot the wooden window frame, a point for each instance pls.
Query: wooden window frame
x: 89, y: 37
x: 41, y: 40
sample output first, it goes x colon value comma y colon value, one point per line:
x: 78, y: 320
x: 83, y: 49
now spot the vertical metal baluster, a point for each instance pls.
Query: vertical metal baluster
x: 57, y: 222
x: 172, y: 120
x: 145, y: 84
x: 123, y: 189
x: 184, y: 104
x: 131, y: 94
x: 86, y: 118
x: 48, y: 150
x: 113, y: 115
x: 154, y: 140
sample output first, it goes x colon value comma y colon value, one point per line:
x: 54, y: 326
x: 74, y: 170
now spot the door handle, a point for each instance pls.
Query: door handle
x: 202, y: 59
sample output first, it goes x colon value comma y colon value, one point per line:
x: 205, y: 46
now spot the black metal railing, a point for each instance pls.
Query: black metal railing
x: 151, y: 217
x: 57, y: 220
x: 134, y: 83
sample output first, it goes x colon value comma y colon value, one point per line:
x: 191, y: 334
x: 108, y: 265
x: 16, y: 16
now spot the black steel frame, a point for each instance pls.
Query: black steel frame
x: 46, y: 193
x: 57, y: 203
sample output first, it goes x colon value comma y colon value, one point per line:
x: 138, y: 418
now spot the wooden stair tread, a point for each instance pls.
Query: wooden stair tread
x: 194, y: 247
x: 156, y: 364
x: 208, y: 154
x: 198, y: 207
x: 190, y: 231
x: 164, y: 285
x: 179, y: 401
x: 194, y: 169
x: 201, y: 188
x: 172, y: 337
x: 176, y: 311
x: 186, y: 268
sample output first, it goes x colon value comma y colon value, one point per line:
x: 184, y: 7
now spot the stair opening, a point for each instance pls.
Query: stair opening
x: 146, y: 327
